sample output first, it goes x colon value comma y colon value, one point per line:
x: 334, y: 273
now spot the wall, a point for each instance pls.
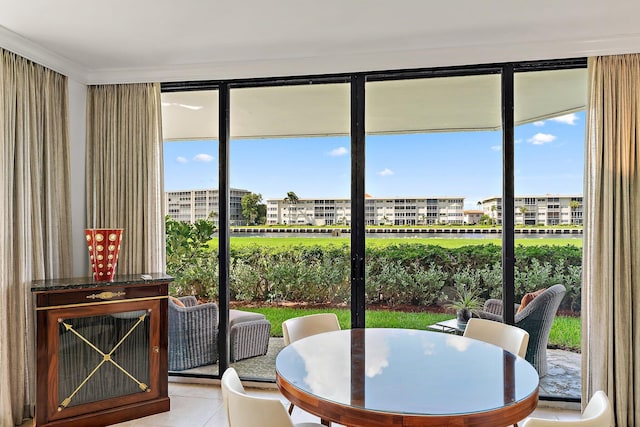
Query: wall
x: 77, y: 136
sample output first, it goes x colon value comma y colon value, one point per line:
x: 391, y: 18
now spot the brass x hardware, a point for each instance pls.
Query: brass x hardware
x: 106, y: 357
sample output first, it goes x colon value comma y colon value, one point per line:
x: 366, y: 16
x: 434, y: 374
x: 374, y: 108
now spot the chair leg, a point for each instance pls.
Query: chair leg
x: 325, y: 422
x: 291, y: 408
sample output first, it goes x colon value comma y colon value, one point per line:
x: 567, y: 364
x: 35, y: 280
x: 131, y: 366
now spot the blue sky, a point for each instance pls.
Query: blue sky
x: 549, y: 158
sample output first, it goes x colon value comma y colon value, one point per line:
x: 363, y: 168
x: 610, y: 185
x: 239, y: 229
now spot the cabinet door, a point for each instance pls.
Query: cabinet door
x: 102, y: 356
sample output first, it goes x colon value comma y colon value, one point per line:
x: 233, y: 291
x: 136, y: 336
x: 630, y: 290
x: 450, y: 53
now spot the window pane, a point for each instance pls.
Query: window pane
x: 549, y: 162
x: 191, y: 203
x: 433, y: 159
x: 290, y: 245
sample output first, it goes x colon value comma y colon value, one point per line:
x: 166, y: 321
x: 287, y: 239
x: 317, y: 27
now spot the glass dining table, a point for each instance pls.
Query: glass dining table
x: 406, y: 377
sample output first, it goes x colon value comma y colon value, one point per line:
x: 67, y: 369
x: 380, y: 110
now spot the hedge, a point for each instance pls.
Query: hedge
x: 402, y: 274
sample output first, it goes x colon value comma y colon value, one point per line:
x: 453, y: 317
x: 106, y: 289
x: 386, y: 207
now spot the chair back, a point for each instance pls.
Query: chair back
x: 244, y: 410
x: 305, y: 326
x: 510, y: 338
x: 230, y: 381
x: 598, y: 413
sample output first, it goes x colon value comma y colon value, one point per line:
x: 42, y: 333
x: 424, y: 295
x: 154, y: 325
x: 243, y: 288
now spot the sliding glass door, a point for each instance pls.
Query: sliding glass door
x: 385, y: 197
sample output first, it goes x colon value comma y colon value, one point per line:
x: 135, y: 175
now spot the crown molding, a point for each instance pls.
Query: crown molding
x: 330, y: 64
x: 34, y: 52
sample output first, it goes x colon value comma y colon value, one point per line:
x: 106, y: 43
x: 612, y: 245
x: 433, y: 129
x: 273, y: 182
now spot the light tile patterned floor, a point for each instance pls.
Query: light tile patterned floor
x: 200, y: 405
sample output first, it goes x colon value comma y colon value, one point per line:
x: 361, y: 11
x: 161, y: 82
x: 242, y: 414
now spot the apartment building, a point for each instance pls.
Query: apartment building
x: 472, y: 216
x: 192, y: 205
x: 378, y: 211
x: 538, y: 209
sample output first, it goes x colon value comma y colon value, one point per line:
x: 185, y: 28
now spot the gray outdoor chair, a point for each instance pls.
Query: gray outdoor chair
x: 193, y: 334
x: 536, y: 318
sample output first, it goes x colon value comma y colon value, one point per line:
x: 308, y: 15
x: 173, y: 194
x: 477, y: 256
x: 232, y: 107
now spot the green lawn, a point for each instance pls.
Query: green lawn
x: 565, y: 332
x: 271, y: 242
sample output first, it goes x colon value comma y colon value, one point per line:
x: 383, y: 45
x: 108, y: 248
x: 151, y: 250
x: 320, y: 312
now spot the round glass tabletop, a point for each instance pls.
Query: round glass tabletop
x: 404, y: 371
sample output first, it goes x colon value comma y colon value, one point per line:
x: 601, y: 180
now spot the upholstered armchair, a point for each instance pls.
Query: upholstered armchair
x: 536, y: 318
x: 193, y: 334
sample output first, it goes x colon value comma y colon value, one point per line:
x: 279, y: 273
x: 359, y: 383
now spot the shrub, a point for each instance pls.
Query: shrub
x: 399, y: 274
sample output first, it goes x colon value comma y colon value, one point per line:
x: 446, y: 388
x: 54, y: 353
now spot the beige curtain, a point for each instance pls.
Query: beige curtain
x: 124, y: 181
x: 611, y: 254
x: 35, y: 226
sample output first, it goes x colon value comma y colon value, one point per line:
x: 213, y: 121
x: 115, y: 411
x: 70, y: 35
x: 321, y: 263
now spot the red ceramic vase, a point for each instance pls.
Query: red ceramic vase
x: 104, y: 246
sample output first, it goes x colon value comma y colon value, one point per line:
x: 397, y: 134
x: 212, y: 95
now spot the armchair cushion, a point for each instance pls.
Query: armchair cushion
x: 176, y: 301
x: 527, y: 298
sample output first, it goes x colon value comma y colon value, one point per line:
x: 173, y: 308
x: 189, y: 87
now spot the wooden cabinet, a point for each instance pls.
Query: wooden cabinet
x: 101, y: 350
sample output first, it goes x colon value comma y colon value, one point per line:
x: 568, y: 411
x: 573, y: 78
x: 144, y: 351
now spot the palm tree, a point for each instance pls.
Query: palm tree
x: 291, y: 199
x: 574, y: 204
x: 523, y: 210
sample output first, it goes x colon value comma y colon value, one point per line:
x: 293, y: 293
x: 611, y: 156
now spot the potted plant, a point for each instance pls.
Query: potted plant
x: 465, y: 303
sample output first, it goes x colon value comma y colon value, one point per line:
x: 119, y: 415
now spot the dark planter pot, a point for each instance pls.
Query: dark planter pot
x: 462, y: 317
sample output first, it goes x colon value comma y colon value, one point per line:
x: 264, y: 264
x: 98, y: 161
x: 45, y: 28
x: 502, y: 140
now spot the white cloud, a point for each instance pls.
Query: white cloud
x: 541, y: 138
x: 496, y: 147
x: 203, y: 158
x: 181, y: 159
x: 336, y: 152
x: 386, y: 172
x: 567, y: 119
x: 539, y: 123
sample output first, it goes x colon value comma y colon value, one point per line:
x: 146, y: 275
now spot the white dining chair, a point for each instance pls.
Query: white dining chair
x: 598, y: 413
x: 244, y: 410
x: 304, y: 326
x: 510, y: 338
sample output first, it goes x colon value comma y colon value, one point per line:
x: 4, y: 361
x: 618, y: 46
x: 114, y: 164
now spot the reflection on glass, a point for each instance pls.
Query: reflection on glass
x: 407, y: 371
x: 101, y: 357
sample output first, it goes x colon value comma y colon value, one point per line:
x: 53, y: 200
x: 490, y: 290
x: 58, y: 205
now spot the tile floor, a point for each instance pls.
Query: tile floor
x: 200, y: 405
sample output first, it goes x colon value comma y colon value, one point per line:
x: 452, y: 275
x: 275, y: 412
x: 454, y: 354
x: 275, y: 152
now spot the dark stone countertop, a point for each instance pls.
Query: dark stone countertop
x: 88, y: 282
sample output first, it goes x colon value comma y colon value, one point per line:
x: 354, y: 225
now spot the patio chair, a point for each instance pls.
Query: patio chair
x: 536, y: 318
x: 510, y: 338
x: 598, y: 413
x: 193, y: 334
x: 244, y: 410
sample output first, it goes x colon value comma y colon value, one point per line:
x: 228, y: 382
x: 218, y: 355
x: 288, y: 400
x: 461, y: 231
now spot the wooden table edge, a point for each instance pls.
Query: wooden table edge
x: 358, y: 417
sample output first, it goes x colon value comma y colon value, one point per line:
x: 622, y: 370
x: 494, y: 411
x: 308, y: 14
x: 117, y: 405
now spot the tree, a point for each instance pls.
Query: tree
x: 251, y: 207
x: 485, y: 220
x: 291, y: 199
x: 262, y: 213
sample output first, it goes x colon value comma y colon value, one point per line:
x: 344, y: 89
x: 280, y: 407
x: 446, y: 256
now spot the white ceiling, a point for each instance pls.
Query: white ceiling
x: 164, y: 40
